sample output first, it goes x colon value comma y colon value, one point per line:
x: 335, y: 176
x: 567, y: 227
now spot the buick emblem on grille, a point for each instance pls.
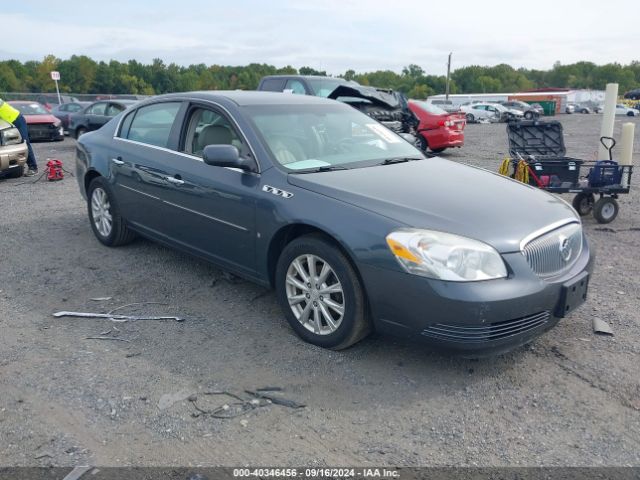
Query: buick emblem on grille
x: 565, y: 248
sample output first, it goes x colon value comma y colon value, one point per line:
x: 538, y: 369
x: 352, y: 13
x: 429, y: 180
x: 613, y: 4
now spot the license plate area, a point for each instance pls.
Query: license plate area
x: 573, y: 294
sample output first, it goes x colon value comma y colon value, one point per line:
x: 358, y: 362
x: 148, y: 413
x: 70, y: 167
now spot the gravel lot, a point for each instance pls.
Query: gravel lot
x: 570, y: 398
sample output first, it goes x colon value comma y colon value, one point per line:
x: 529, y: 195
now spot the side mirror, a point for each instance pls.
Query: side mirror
x: 226, y: 156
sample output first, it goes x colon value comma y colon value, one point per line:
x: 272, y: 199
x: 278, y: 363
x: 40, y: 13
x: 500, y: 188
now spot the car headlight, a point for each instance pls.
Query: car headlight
x: 10, y: 136
x: 445, y: 256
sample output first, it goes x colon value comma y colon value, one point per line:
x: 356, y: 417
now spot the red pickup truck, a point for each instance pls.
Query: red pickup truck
x: 438, y: 129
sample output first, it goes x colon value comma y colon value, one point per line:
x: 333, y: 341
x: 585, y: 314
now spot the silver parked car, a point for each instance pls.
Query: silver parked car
x: 13, y: 151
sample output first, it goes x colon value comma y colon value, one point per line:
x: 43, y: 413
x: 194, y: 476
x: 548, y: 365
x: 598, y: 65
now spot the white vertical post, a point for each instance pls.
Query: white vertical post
x: 626, y: 150
x: 58, y: 92
x: 608, y: 117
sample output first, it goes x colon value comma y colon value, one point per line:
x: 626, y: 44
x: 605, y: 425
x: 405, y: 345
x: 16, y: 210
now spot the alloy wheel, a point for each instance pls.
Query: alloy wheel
x: 100, y: 211
x: 315, y: 294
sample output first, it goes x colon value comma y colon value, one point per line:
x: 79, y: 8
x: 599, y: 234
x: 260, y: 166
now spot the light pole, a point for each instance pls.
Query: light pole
x: 446, y: 95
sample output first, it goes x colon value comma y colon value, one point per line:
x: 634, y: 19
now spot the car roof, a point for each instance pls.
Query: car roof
x: 247, y: 98
x: 293, y: 75
x: 22, y: 102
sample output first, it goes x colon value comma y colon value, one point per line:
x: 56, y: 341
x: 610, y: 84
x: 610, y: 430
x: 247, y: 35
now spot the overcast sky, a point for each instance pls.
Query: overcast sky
x: 331, y: 35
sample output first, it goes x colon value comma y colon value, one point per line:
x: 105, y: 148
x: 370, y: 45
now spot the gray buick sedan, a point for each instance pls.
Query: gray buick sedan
x: 354, y: 228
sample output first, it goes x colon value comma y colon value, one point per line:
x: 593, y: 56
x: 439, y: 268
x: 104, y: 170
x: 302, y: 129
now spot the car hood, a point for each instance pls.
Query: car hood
x: 377, y: 96
x: 447, y: 196
x: 33, y: 119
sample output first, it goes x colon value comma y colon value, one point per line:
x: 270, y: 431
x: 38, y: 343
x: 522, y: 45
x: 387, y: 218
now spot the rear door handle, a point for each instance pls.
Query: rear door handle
x: 117, y: 161
x: 174, y: 180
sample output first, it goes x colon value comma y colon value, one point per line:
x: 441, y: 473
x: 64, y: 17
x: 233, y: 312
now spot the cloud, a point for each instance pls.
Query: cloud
x: 332, y: 35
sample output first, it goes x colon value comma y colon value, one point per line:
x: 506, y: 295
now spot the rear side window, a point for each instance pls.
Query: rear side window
x: 113, y: 109
x: 272, y: 85
x: 151, y: 124
x: 97, y: 109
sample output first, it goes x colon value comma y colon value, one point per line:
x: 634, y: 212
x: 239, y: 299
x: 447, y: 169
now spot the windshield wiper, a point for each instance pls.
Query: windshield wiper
x: 326, y: 168
x: 389, y: 161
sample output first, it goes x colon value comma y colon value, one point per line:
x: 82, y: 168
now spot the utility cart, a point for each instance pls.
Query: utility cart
x: 538, y: 158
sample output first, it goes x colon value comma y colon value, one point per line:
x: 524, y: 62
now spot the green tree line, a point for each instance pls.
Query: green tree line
x: 81, y: 74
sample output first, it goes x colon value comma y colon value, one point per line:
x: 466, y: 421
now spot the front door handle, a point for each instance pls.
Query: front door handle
x: 117, y: 161
x: 174, y: 180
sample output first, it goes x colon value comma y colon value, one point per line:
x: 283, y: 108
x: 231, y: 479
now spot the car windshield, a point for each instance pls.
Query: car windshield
x: 30, y: 108
x: 324, y: 86
x: 317, y: 137
x: 431, y: 108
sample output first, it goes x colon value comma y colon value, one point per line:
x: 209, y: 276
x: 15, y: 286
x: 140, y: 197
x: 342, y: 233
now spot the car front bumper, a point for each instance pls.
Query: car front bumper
x: 12, y: 157
x: 45, y: 132
x: 471, y: 318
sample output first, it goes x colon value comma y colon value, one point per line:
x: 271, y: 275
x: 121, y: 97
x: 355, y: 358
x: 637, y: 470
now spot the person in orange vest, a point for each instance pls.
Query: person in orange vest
x: 13, y: 115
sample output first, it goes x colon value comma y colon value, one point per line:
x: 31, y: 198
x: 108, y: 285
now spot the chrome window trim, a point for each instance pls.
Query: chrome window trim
x: 194, y: 157
x: 547, y: 229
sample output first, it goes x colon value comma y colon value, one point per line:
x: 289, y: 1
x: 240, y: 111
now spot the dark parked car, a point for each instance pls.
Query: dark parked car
x: 386, y: 106
x: 96, y: 115
x: 50, y: 101
x: 64, y: 110
x: 41, y: 124
x: 354, y: 227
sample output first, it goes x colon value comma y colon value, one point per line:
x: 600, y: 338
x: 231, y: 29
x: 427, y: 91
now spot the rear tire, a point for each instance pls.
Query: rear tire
x: 106, y: 222
x: 605, y: 210
x: 310, y: 308
x: 438, y: 150
x: 470, y: 118
x: 631, y: 114
x: 583, y: 203
x: 422, y: 142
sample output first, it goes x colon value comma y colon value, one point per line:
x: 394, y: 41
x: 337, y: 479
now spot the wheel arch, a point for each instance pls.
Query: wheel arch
x: 88, y: 178
x: 290, y: 232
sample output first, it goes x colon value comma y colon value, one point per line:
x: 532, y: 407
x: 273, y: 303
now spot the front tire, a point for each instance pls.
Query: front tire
x: 320, y: 293
x: 528, y: 115
x: 422, y: 142
x: 80, y: 131
x: 106, y: 222
x: 438, y: 150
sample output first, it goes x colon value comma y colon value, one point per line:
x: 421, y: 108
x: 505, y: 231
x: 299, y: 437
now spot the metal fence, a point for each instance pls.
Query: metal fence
x: 67, y: 97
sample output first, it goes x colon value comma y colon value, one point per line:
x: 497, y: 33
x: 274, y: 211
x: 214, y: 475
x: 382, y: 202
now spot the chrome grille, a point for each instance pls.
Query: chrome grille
x: 556, y: 251
x: 488, y: 332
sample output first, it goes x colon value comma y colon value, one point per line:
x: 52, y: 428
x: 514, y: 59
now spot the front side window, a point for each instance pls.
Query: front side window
x: 208, y: 127
x: 304, y: 137
x: 151, y: 124
x: 296, y: 87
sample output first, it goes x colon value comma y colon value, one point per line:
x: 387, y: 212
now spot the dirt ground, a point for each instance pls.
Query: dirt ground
x: 569, y: 398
